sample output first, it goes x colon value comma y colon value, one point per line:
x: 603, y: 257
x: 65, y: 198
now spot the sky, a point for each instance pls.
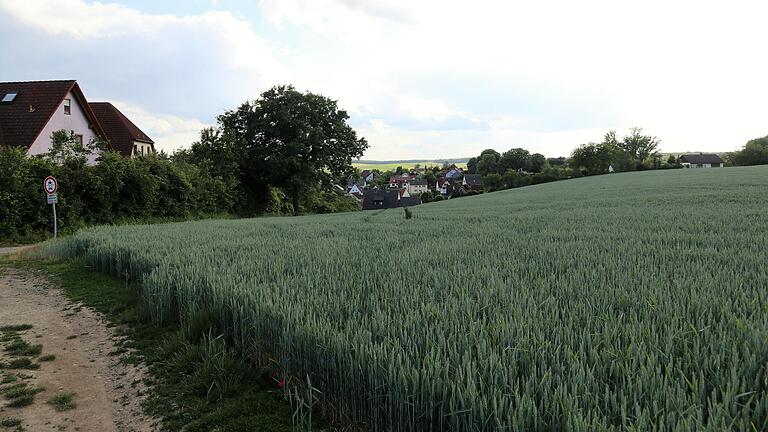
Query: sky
x: 420, y: 79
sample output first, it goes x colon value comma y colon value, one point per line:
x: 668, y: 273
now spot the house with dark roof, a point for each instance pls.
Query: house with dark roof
x: 124, y: 136
x: 31, y: 111
x: 388, y: 198
x: 472, y: 182
x: 367, y: 176
x: 701, y: 160
x: 444, y: 186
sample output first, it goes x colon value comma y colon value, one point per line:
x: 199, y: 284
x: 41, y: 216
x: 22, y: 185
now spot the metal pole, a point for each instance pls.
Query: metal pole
x: 55, y: 228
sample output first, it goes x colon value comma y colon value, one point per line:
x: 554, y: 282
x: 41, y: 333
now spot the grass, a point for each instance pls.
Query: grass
x: 47, y: 358
x: 197, y: 382
x: 633, y: 301
x: 20, y: 347
x: 20, y: 395
x: 9, y: 422
x: 20, y: 363
x: 64, y: 401
x: 16, y: 327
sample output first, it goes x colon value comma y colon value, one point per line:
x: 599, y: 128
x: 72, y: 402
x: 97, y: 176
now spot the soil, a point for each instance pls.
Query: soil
x: 108, y: 393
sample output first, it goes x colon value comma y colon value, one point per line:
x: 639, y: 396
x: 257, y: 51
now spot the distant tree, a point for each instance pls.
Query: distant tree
x: 488, y: 164
x: 427, y: 196
x: 755, y: 152
x: 516, y: 158
x: 437, y: 198
x: 592, y: 158
x: 492, y: 182
x: 556, y: 162
x: 510, y: 179
x: 636, y: 146
x: 472, y: 166
x: 537, y: 162
x: 399, y: 170
x: 430, y: 177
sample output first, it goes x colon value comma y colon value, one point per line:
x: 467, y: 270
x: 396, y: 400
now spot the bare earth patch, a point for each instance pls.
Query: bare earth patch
x: 107, y: 393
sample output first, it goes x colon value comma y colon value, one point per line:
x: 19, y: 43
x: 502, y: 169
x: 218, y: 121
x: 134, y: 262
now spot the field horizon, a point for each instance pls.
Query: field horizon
x: 631, y: 301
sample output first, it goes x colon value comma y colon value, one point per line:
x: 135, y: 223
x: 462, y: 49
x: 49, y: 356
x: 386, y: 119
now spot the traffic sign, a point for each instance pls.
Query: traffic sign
x: 50, y: 185
x: 53, y: 198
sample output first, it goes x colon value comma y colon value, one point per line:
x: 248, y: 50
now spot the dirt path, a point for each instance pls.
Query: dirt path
x: 107, y: 393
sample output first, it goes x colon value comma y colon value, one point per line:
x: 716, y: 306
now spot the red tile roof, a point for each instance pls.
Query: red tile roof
x: 25, y: 117
x: 121, y: 132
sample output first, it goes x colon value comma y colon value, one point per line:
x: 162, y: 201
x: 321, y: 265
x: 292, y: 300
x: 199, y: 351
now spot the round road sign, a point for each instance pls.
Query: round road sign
x: 50, y: 185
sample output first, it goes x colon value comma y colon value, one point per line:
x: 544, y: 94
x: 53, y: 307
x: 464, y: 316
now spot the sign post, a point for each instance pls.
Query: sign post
x: 51, y: 186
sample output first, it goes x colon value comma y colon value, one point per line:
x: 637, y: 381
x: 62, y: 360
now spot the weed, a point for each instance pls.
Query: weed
x: 10, y: 422
x: 47, y: 358
x: 20, y: 347
x: 21, y: 394
x: 63, y: 401
x: 21, y: 363
x: 16, y: 327
x: 8, y: 378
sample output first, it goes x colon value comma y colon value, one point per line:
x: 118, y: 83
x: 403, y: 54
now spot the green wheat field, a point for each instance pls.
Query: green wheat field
x: 619, y: 302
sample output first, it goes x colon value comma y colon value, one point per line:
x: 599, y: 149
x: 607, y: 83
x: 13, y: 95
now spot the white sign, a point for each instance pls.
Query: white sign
x: 53, y: 198
x: 50, y: 185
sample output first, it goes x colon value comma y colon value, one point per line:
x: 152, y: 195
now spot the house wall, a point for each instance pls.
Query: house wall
x: 140, y: 149
x: 415, y: 189
x: 76, y: 121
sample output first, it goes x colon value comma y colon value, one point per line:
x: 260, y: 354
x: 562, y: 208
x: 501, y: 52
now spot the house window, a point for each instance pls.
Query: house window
x: 67, y: 106
x: 135, y: 149
x: 79, y: 139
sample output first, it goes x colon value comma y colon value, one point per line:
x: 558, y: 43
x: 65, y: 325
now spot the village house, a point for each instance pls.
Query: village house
x: 472, y: 182
x: 388, y: 198
x: 355, y: 189
x: 418, y: 186
x: 454, y: 173
x: 367, y: 176
x: 31, y: 111
x: 400, y: 181
x: 701, y: 160
x: 124, y: 136
x: 444, y: 186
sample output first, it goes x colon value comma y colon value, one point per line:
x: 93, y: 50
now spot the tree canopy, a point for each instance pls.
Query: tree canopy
x: 288, y: 139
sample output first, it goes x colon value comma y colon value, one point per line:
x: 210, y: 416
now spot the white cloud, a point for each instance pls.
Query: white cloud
x: 425, y: 78
x: 169, y: 132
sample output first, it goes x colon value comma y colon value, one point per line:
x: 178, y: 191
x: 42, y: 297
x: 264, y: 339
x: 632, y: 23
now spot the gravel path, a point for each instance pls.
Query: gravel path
x: 108, y: 393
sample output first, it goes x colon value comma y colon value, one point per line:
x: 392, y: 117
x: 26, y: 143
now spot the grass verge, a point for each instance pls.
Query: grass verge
x: 197, y: 383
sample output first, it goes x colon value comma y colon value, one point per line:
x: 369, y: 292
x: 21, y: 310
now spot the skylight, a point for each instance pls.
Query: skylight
x: 9, y: 97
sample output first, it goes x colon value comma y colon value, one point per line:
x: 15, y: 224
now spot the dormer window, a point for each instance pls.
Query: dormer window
x: 67, y: 106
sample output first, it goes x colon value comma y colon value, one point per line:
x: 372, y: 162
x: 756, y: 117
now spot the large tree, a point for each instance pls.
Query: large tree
x: 289, y: 139
x: 516, y: 158
x: 636, y: 146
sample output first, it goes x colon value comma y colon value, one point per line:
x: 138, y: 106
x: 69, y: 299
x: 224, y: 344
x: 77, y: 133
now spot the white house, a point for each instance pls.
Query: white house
x: 418, y: 186
x: 31, y: 111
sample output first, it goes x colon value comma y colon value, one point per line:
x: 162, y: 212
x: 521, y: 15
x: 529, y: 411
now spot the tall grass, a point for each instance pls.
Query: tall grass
x: 621, y: 302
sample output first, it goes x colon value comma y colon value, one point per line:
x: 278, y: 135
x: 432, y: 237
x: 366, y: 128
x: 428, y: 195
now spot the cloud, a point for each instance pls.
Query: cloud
x: 423, y: 78
x: 169, y: 132
x: 190, y: 67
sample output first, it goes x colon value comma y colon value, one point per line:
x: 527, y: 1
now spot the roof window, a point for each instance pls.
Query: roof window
x: 9, y: 97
